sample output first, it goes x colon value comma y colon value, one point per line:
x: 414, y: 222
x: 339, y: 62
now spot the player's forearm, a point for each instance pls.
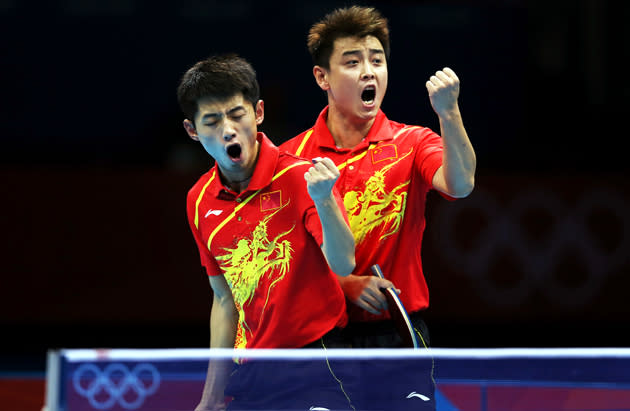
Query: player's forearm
x: 213, y: 395
x: 223, y: 314
x: 338, y: 242
x: 458, y: 160
x: 223, y: 319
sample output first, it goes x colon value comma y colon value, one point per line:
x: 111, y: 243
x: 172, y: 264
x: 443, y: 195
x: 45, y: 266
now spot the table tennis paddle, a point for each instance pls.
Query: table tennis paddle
x: 398, y: 313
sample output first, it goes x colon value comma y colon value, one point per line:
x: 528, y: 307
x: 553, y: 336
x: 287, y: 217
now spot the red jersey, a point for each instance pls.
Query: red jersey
x: 384, y: 182
x: 266, y: 242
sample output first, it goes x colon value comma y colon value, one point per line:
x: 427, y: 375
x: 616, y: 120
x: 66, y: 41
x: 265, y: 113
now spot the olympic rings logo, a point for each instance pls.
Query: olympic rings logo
x: 566, y: 236
x: 116, y: 384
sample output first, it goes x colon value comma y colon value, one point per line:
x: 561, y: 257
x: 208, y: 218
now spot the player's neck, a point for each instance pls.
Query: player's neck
x: 236, y: 184
x: 345, y: 130
x: 240, y: 186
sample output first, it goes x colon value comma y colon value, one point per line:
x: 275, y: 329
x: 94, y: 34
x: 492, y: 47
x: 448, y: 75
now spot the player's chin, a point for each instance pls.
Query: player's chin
x: 367, y: 112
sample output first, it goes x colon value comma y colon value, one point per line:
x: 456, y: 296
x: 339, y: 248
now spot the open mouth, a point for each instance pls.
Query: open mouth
x: 234, y: 151
x: 368, y: 94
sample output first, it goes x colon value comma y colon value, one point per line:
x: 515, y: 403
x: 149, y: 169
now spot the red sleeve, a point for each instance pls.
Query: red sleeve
x: 207, y: 259
x: 429, y: 157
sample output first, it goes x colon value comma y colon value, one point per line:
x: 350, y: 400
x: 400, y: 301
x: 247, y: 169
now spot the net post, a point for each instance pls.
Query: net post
x: 53, y: 381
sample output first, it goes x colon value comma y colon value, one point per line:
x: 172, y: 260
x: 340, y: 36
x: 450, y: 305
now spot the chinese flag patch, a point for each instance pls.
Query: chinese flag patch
x: 384, y: 152
x: 271, y: 200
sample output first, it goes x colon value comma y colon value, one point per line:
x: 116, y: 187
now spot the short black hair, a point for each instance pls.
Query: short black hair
x: 218, y: 77
x: 355, y: 21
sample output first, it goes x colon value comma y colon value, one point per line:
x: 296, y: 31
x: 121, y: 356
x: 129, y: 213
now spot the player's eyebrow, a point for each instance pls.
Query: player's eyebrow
x: 357, y: 52
x: 219, y: 114
x: 237, y: 108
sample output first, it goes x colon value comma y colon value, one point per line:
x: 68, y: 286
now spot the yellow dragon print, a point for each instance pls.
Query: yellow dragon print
x: 375, y: 207
x: 245, y: 265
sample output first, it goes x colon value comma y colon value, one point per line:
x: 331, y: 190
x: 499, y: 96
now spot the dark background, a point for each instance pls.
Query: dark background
x: 95, y: 164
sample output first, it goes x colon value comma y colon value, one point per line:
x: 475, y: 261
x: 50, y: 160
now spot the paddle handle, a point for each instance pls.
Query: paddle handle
x: 376, y: 270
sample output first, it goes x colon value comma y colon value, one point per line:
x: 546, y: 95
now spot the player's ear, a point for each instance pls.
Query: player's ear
x: 260, y: 112
x: 321, y: 77
x: 189, y: 126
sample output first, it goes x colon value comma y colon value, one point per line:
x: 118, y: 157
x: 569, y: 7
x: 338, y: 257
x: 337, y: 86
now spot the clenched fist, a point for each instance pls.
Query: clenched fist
x: 321, y: 178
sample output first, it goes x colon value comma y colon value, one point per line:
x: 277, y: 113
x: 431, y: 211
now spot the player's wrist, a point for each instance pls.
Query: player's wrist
x: 451, y: 115
x: 325, y: 202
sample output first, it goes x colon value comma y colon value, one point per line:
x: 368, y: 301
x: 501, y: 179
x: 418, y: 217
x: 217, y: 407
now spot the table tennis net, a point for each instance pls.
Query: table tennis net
x: 338, y: 379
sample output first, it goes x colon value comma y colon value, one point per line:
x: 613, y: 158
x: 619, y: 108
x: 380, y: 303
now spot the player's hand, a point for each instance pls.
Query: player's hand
x: 321, y: 178
x: 219, y: 406
x: 208, y: 403
x: 443, y: 88
x: 365, y: 292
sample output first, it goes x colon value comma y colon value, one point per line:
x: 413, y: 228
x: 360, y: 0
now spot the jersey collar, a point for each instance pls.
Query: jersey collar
x: 266, y: 164
x: 263, y: 172
x: 380, y: 130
